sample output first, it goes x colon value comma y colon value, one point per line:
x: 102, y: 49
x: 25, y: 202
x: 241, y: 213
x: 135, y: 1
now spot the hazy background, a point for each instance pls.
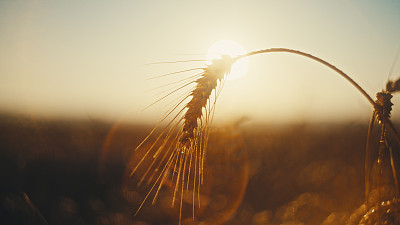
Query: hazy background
x: 86, y: 58
x: 72, y: 73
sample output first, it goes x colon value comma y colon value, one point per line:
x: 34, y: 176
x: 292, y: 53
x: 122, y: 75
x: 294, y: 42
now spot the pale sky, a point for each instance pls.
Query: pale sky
x: 87, y: 58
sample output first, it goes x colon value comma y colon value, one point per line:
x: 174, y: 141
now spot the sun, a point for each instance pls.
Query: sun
x: 233, y: 49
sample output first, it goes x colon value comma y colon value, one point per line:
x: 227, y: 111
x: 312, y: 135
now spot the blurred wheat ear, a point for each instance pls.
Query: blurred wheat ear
x: 382, y: 111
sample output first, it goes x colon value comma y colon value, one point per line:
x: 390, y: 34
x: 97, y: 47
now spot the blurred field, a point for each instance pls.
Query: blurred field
x: 74, y: 172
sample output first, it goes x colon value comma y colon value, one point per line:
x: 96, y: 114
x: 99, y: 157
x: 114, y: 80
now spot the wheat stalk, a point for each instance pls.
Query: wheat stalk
x: 184, y: 153
x: 393, y: 85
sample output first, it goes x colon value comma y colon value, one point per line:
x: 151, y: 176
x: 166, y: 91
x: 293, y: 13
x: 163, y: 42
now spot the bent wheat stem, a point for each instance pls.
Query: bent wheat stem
x: 344, y: 75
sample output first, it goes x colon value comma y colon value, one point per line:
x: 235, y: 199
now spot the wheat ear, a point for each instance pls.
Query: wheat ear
x: 384, y: 106
x: 183, y: 154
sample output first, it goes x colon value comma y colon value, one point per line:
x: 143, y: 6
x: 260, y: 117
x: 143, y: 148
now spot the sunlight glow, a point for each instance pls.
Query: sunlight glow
x: 233, y: 49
